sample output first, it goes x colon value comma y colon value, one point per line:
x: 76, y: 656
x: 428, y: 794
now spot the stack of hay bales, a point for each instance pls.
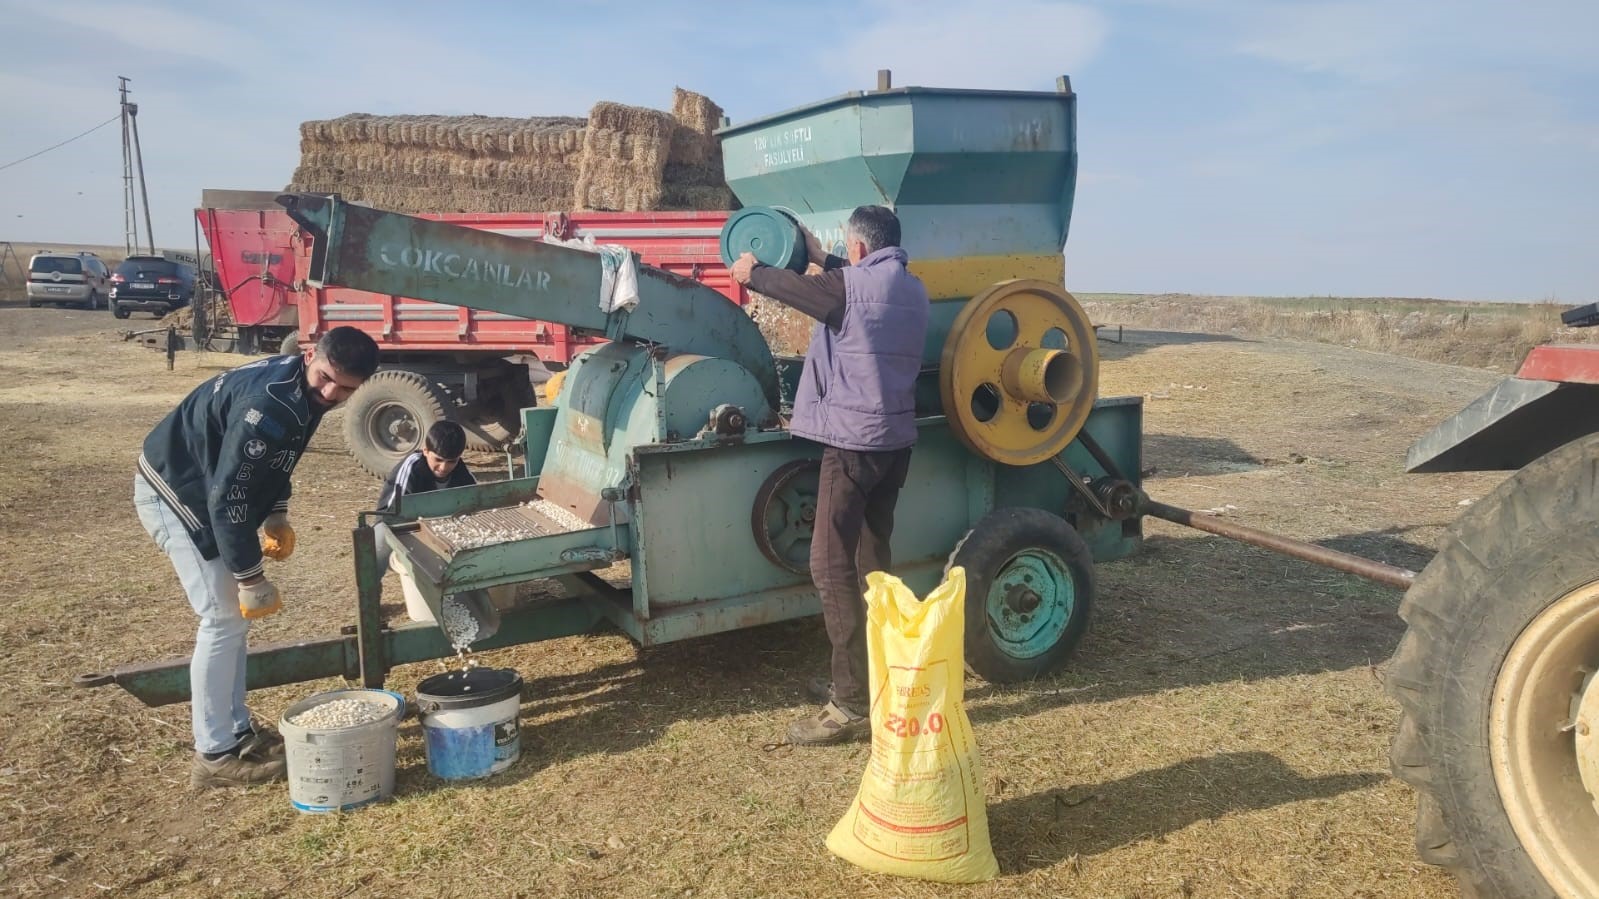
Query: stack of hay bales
x: 427, y: 163
x: 621, y: 158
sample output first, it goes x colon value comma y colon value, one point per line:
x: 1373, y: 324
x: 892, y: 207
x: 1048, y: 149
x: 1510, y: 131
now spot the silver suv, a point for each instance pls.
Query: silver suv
x: 77, y: 278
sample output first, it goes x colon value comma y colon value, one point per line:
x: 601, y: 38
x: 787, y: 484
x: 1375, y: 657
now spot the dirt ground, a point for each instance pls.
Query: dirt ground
x: 1222, y: 732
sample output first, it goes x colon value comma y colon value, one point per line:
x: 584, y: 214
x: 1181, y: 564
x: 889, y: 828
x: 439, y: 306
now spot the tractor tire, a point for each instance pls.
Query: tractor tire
x: 485, y: 431
x: 1029, y: 593
x: 1495, y: 682
x: 492, y: 429
x: 389, y: 417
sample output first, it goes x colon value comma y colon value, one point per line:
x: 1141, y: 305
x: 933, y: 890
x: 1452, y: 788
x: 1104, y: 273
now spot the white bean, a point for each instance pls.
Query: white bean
x: 459, y: 624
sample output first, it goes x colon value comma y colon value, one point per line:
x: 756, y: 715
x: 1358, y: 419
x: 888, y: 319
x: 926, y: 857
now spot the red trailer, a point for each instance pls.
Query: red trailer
x: 438, y: 361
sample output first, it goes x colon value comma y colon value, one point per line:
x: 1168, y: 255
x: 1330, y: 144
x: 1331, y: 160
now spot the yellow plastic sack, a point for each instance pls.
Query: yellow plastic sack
x: 919, y: 812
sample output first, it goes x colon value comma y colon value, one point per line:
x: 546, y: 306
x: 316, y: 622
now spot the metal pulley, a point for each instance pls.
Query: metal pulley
x: 1019, y: 372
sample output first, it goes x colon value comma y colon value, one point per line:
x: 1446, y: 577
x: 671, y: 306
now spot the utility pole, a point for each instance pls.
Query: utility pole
x: 130, y: 222
x: 133, y: 162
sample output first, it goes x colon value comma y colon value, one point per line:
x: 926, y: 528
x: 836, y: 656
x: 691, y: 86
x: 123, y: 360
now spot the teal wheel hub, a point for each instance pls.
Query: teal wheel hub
x: 1031, y: 603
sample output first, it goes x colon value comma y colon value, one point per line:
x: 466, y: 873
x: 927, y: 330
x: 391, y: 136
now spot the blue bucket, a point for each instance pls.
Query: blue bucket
x: 471, y: 721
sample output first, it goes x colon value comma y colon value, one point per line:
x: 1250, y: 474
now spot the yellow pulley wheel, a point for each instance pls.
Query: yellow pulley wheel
x: 1019, y: 372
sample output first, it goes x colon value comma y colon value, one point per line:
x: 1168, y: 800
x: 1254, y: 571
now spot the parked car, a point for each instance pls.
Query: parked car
x: 150, y: 284
x: 80, y: 279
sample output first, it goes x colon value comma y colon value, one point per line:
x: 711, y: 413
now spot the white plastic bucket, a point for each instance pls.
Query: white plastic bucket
x: 337, y: 769
x: 471, y: 721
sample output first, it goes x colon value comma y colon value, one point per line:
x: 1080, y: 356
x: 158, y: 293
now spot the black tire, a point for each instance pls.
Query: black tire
x: 485, y: 431
x: 1504, y: 571
x: 118, y: 311
x: 33, y: 304
x: 1014, y: 546
x: 491, y: 428
x: 389, y: 416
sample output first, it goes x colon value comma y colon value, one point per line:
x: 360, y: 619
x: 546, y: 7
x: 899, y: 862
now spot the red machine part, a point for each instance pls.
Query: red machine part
x: 261, y: 263
x: 1563, y: 363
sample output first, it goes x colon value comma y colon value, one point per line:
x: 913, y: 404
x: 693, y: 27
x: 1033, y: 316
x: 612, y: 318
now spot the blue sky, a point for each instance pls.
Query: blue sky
x: 1445, y: 148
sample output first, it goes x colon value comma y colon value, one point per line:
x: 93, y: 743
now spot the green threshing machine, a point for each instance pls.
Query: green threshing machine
x: 665, y: 447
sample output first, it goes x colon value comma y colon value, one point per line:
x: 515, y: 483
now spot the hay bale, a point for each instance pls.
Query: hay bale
x: 623, y: 159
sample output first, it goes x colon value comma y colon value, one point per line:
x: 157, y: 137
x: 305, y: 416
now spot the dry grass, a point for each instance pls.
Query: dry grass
x: 1222, y: 732
x: 1494, y: 336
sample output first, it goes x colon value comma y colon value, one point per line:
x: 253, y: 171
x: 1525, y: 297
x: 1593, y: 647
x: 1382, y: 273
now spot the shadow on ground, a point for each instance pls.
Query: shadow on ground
x: 1048, y: 827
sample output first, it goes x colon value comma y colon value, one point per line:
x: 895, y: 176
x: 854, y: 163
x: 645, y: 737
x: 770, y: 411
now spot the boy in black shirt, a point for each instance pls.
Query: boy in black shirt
x: 437, y: 466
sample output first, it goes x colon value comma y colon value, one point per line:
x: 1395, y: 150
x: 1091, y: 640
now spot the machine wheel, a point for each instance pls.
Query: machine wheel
x: 118, y: 310
x: 389, y: 416
x: 1495, y: 679
x: 1029, y: 591
x: 784, y: 516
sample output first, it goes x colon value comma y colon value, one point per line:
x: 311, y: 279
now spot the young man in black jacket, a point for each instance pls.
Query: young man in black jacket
x: 214, y: 472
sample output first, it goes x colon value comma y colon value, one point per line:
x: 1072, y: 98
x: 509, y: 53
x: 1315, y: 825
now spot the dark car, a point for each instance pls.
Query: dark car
x: 150, y: 284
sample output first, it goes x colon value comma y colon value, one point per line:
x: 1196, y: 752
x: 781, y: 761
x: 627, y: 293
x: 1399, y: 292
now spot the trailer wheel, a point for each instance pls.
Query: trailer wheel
x: 1495, y: 680
x: 1029, y: 591
x: 389, y: 416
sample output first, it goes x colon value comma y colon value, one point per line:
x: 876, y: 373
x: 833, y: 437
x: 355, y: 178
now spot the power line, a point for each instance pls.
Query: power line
x: 63, y: 143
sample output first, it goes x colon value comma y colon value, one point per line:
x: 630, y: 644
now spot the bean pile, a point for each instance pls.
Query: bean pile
x: 340, y: 713
x: 464, y: 533
x: 559, y: 515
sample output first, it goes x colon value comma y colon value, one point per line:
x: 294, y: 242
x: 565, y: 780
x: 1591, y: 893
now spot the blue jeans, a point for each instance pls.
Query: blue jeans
x: 216, y: 671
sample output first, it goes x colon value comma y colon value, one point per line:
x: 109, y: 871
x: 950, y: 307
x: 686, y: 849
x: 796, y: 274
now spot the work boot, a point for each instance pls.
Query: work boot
x: 234, y: 771
x: 261, y: 741
x: 819, y: 689
x: 834, y: 724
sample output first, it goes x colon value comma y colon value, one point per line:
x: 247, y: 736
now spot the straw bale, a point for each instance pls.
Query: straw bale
x: 695, y: 112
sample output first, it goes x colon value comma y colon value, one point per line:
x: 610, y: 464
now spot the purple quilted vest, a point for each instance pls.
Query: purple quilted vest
x: 858, y: 389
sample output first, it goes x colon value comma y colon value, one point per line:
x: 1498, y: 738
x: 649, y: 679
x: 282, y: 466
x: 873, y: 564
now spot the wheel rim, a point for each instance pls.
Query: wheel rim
x: 393, y: 428
x: 1030, y: 603
x: 1541, y: 741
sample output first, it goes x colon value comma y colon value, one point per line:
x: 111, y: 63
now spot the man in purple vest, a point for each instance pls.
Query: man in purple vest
x: 856, y: 397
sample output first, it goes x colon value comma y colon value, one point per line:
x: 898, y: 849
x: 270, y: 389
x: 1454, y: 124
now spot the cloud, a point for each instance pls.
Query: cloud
x: 944, y: 43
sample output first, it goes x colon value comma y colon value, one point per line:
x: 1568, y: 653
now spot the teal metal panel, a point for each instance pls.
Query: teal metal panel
x: 538, y: 425
x: 464, y: 500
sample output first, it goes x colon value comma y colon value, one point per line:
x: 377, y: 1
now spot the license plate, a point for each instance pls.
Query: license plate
x: 142, y: 285
x: 56, y: 289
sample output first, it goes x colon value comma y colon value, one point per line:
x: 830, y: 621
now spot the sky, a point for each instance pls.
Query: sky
x: 1424, y: 148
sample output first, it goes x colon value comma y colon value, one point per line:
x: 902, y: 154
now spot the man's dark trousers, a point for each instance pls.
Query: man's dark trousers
x: 854, y: 520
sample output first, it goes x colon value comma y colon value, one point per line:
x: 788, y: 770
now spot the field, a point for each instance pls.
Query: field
x: 1222, y: 732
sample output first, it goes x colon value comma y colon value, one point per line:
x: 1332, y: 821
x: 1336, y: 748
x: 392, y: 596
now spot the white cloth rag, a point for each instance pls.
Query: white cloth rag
x: 618, y: 272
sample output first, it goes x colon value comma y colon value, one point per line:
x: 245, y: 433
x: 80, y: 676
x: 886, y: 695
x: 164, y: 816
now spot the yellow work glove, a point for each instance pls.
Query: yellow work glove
x: 279, y: 541
x: 258, y: 600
